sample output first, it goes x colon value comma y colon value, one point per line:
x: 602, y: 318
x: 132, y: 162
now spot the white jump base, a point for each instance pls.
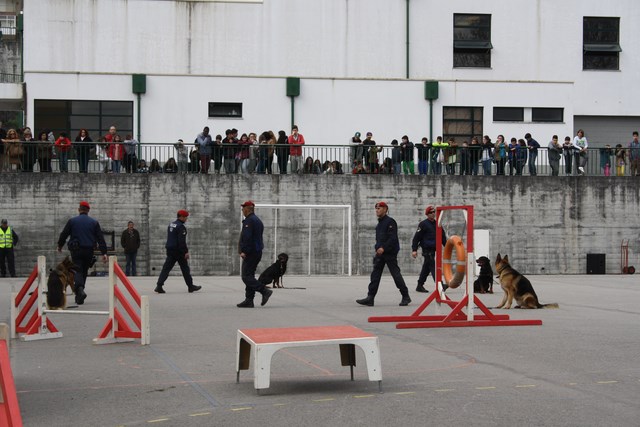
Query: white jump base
x: 266, y: 342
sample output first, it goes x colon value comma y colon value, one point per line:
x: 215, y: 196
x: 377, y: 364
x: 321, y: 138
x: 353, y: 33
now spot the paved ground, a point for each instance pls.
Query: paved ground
x: 580, y: 368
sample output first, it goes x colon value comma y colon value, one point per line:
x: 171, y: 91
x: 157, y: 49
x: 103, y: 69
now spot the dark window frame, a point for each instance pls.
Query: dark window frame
x: 508, y: 114
x: 547, y: 119
x: 476, y: 123
x: 225, y: 110
x: 67, y: 109
x: 601, y: 43
x: 472, y: 40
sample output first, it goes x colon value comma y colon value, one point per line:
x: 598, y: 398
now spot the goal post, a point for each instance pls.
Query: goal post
x: 334, y: 233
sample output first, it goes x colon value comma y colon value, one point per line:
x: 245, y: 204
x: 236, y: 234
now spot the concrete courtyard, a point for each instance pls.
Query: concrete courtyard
x: 580, y: 368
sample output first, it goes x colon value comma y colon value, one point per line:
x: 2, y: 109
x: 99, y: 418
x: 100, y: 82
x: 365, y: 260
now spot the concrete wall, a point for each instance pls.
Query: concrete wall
x: 546, y: 225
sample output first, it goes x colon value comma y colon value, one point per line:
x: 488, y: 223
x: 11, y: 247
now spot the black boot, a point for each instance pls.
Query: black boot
x: 159, y: 290
x: 194, y: 288
x: 420, y: 288
x: 247, y: 303
x: 80, y: 295
x: 405, y: 300
x: 368, y: 301
x: 266, y: 294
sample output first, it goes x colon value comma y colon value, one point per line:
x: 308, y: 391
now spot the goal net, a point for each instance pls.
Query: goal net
x: 317, y: 238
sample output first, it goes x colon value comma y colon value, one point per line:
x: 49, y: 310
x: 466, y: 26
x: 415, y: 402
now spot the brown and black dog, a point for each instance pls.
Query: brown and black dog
x: 273, y: 274
x: 59, y: 278
x: 516, y: 285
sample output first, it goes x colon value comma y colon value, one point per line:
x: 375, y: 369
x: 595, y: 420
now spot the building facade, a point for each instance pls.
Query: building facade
x: 495, y: 67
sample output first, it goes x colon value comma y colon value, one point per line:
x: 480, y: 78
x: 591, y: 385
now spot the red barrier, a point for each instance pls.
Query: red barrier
x: 117, y: 328
x: 9, y: 408
x: 38, y: 326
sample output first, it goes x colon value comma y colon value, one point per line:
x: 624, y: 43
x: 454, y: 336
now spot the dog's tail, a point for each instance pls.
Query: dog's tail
x: 552, y: 305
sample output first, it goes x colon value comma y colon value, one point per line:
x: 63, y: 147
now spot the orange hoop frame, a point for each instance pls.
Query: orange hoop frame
x: 452, y: 279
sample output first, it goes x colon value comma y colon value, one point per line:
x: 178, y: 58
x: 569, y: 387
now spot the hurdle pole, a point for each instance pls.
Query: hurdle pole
x: 14, y: 315
x: 145, y: 330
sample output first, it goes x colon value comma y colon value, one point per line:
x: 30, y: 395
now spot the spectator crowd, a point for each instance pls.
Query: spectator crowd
x: 267, y: 153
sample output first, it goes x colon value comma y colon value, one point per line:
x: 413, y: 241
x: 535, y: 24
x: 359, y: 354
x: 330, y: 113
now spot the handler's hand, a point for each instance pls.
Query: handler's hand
x: 414, y: 254
x: 243, y: 255
x: 380, y: 251
x: 186, y: 256
x: 59, y: 249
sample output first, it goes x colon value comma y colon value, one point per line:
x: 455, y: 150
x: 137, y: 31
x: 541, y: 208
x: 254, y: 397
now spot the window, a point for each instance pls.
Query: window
x: 508, y: 114
x: 71, y: 116
x: 472, y: 40
x: 461, y: 123
x: 601, y: 43
x: 225, y: 109
x: 547, y: 114
x: 7, y: 26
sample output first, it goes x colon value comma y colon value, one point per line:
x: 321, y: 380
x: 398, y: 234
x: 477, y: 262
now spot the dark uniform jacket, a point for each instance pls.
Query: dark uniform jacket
x: 425, y: 237
x: 251, y: 235
x: 85, y: 232
x: 387, y: 235
x: 177, y: 237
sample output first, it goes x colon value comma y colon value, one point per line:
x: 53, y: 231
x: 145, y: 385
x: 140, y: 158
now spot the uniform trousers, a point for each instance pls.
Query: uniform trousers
x: 174, y: 256
x: 379, y: 261
x: 249, y: 266
x: 428, y: 267
x: 82, y: 259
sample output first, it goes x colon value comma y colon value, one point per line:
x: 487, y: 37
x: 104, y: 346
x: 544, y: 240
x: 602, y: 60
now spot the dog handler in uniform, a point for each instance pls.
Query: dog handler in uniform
x: 250, y: 249
x: 84, y: 233
x: 387, y: 248
x: 425, y: 237
x: 177, y: 251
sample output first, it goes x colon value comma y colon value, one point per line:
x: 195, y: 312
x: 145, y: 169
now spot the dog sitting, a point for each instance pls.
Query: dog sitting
x: 59, y: 278
x: 273, y: 274
x: 484, y: 283
x: 516, y: 285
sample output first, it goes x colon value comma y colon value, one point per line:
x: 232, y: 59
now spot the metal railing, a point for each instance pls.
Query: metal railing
x: 10, y: 78
x: 165, y: 158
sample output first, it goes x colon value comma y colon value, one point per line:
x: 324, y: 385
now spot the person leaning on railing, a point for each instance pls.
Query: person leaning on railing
x: 44, y: 151
x: 29, y: 146
x: 13, y: 151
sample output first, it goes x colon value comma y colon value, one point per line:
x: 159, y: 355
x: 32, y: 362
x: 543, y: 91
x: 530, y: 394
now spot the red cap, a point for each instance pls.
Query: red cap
x: 248, y: 203
x: 429, y: 209
x: 182, y: 212
x: 85, y: 204
x: 382, y: 205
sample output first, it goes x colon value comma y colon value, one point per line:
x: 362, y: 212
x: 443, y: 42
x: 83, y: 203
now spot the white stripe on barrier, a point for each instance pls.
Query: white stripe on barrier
x: 75, y: 312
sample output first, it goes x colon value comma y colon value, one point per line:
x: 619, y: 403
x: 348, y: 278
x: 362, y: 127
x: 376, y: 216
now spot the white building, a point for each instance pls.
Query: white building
x: 501, y: 67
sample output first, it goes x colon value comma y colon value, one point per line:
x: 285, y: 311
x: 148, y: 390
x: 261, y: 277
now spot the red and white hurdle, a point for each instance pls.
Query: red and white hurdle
x: 116, y: 329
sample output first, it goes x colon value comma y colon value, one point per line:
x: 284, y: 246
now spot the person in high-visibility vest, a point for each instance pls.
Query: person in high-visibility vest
x: 8, y: 239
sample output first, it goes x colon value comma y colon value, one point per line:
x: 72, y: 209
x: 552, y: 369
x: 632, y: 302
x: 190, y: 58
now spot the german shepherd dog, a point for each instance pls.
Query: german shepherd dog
x: 274, y: 273
x: 59, y: 278
x: 515, y: 285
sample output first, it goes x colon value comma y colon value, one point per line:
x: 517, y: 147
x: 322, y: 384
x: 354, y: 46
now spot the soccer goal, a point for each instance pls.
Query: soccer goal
x: 317, y: 238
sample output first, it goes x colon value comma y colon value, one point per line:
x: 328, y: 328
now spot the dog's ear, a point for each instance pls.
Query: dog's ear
x: 498, y: 259
x: 506, y: 259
